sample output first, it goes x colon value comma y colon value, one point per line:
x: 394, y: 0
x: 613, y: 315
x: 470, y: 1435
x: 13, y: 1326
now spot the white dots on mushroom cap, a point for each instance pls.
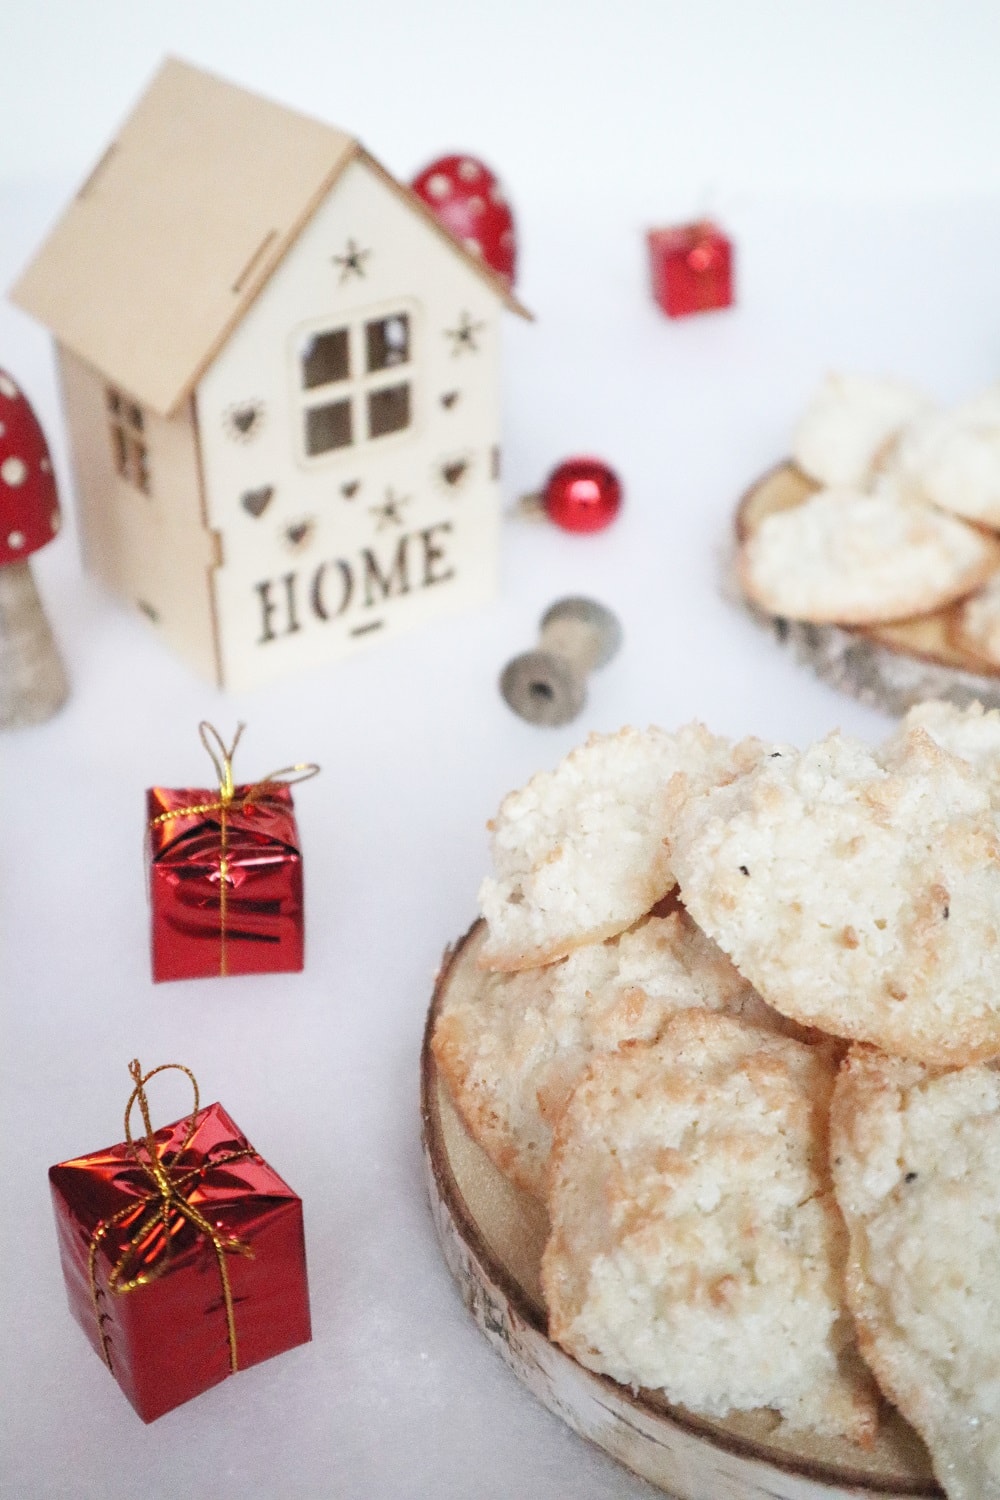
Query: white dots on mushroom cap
x: 439, y: 186
x: 44, y: 464
x: 473, y: 246
x: 468, y: 169
x: 13, y: 471
x: 7, y: 387
x: 15, y: 539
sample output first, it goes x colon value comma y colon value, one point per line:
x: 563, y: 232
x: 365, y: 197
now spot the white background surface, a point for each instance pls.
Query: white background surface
x: 851, y: 151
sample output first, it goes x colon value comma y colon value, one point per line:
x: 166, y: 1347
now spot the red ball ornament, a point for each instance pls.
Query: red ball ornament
x: 582, y: 494
x: 468, y: 200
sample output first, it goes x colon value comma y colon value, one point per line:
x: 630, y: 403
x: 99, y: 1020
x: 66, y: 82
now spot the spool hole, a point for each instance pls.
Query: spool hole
x: 542, y: 692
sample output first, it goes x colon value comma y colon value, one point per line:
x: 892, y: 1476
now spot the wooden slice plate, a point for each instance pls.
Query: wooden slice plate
x: 492, y: 1235
x: 888, y: 666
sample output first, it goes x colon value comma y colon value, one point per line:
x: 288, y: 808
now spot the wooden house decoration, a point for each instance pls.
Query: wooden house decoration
x: 281, y: 383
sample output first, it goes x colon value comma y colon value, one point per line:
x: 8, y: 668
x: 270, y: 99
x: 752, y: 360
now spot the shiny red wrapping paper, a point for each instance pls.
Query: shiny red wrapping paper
x: 168, y: 1340
x: 692, y: 268
x: 224, y: 901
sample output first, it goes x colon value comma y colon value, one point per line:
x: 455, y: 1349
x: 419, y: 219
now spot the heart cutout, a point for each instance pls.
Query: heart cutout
x: 350, y: 489
x: 299, y: 532
x: 448, y: 399
x: 257, y: 501
x: 244, y: 418
x: 454, y: 473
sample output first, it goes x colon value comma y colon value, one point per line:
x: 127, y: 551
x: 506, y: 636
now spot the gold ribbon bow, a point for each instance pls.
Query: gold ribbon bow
x: 167, y: 1196
x: 222, y: 760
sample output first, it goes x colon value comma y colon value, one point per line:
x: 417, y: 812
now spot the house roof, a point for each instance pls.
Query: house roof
x: 179, y: 226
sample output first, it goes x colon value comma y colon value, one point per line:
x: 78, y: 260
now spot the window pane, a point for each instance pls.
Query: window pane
x: 326, y: 358
x: 139, y: 465
x: 388, y: 410
x: 120, y: 450
x: 328, y: 427
x: 388, y: 342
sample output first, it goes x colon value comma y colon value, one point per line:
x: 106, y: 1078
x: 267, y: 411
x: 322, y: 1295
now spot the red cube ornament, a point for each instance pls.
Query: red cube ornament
x: 225, y: 873
x: 183, y: 1254
x: 692, y: 268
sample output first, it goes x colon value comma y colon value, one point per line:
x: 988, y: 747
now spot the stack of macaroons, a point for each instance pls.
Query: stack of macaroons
x: 734, y: 1026
x: 903, y: 520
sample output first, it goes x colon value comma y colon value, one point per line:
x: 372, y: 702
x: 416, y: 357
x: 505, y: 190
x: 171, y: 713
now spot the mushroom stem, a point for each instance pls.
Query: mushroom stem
x: 33, y: 684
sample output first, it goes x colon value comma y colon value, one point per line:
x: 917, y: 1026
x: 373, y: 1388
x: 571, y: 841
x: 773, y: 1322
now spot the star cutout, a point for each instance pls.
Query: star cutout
x: 464, y: 336
x: 352, y: 262
x: 389, y: 514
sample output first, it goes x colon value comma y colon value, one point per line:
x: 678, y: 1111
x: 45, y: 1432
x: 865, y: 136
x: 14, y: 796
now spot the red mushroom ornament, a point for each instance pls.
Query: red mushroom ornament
x: 468, y: 200
x: 32, y: 678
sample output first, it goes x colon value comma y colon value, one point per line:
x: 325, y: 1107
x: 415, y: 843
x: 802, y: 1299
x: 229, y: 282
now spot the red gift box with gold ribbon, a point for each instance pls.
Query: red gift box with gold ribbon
x: 225, y: 873
x: 183, y: 1254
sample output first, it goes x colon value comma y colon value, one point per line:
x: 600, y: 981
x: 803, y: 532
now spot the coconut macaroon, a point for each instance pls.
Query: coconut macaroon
x: 854, y: 559
x: 952, y: 459
x: 976, y: 624
x: 512, y: 1047
x: 579, y: 852
x: 696, y: 1247
x: 858, y: 895
x: 971, y: 733
x: 916, y: 1159
x: 851, y: 426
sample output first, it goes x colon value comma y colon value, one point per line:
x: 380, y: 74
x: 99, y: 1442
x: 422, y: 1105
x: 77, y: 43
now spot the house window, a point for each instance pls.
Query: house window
x: 354, y: 381
x: 128, y: 440
x: 326, y: 358
x: 388, y: 410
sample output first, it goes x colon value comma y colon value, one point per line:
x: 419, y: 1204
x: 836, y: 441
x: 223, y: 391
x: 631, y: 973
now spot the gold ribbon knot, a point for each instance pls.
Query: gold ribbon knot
x: 222, y: 759
x: 169, y: 1186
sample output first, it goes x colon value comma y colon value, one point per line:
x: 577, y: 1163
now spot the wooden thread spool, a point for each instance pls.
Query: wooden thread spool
x: 549, y: 685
